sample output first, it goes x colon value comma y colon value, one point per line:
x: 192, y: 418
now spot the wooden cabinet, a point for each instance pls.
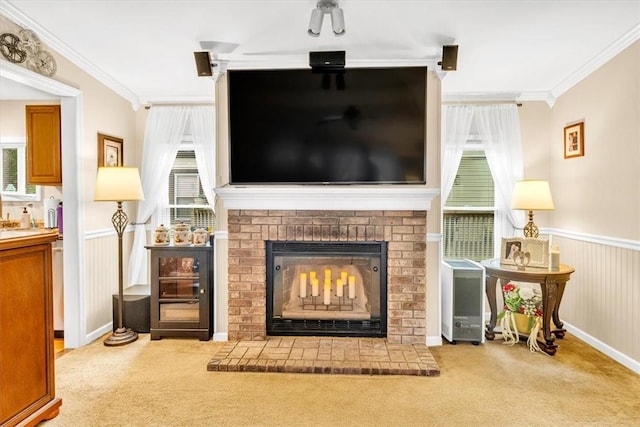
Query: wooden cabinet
x: 27, y: 392
x: 181, y: 291
x: 44, y: 150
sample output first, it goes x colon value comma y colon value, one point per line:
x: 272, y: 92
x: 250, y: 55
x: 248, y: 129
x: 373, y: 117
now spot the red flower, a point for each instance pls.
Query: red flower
x: 521, y: 308
x: 508, y: 287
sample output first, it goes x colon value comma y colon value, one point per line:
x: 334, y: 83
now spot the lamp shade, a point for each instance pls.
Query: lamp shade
x: 118, y: 184
x: 532, y: 195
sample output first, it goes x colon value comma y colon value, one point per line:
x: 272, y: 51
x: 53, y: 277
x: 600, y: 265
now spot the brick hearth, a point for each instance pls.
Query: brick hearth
x: 405, y: 232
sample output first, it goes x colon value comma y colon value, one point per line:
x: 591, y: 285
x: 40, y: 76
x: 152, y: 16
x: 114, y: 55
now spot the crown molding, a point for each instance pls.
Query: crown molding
x: 599, y: 60
x: 52, y: 42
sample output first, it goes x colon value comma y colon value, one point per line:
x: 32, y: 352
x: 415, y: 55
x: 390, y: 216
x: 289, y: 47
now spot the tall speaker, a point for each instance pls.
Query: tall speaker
x: 449, y: 57
x: 203, y: 64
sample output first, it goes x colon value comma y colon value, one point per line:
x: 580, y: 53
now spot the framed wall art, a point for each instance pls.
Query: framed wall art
x: 574, y: 140
x: 538, y: 251
x: 109, y: 150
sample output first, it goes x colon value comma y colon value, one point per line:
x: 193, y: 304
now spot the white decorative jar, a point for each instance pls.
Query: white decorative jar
x: 161, y: 236
x: 200, y: 237
x: 182, y: 234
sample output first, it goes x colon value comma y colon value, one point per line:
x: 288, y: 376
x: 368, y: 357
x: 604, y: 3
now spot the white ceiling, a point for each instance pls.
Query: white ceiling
x: 516, y: 49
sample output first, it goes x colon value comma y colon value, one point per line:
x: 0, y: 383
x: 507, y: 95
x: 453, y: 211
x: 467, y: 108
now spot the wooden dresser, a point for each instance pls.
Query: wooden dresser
x: 27, y: 392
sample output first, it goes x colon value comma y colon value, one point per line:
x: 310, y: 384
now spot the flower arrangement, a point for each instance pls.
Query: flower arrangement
x: 521, y: 302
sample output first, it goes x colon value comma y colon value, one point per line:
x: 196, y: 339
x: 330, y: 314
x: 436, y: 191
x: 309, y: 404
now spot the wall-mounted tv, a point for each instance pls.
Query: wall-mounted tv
x: 351, y: 126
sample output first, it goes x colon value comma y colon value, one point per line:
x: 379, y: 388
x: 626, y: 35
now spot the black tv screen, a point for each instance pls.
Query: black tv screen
x: 352, y: 126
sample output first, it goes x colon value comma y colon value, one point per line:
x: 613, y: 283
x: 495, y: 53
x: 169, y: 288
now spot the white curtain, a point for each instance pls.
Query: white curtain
x: 499, y: 130
x: 203, y: 130
x: 456, y: 124
x: 163, y: 134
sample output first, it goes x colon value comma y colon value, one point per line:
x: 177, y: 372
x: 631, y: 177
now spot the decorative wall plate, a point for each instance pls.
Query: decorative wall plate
x: 10, y: 48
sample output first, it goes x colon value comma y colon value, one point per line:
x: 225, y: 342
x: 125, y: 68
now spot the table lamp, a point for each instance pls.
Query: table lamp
x: 530, y: 195
x: 119, y: 184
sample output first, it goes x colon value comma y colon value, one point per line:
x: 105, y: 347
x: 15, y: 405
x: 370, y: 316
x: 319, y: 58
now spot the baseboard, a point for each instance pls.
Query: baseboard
x: 58, y: 334
x: 619, y: 357
x: 97, y: 333
x: 434, y: 341
x: 221, y: 336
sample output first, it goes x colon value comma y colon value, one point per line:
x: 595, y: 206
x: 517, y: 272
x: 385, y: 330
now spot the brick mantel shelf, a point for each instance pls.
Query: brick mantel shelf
x: 312, y: 197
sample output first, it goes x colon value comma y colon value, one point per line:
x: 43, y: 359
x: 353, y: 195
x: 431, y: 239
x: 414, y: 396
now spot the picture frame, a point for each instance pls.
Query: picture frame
x: 110, y: 151
x: 574, y: 140
x: 537, y: 248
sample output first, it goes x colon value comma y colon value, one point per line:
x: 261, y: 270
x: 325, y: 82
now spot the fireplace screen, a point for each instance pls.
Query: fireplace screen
x: 326, y: 288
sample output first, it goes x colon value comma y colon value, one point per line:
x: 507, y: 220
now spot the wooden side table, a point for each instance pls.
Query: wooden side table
x: 552, y: 284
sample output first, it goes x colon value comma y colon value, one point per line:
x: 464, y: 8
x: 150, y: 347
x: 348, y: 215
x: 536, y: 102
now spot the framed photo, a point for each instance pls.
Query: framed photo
x: 574, y: 140
x: 538, y: 251
x: 109, y: 151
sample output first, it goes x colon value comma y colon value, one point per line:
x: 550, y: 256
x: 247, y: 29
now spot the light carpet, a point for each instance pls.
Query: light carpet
x: 165, y: 383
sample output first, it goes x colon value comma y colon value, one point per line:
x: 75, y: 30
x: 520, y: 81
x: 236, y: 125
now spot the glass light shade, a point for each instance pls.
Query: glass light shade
x: 337, y: 21
x: 315, y: 23
x: 532, y: 195
x: 118, y: 184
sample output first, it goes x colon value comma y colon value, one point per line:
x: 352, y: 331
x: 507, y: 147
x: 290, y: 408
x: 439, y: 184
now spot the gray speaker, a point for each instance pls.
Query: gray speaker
x: 328, y: 60
x: 203, y: 64
x: 449, y: 57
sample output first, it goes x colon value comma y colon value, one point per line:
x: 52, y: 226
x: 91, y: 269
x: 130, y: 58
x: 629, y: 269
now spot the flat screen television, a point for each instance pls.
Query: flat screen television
x: 351, y: 126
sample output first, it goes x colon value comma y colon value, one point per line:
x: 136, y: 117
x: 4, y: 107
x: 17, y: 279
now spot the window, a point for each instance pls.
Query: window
x: 13, y: 172
x: 469, y: 211
x: 187, y: 202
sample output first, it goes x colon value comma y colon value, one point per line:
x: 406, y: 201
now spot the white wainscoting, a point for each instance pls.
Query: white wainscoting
x: 601, y: 301
x: 101, y: 278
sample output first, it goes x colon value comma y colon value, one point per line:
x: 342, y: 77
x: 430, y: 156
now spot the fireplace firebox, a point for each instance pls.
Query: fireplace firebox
x: 326, y: 288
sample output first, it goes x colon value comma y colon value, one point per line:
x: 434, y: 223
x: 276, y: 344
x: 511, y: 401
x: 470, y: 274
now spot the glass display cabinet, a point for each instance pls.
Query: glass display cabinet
x: 181, y: 291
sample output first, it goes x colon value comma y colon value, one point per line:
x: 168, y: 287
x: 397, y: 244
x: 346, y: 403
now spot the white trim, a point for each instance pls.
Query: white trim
x: 616, y: 355
x: 434, y: 237
x: 105, y: 232
x: 61, y: 48
x: 381, y: 197
x: 222, y: 234
x: 97, y: 333
x: 221, y: 336
x: 615, y: 242
x: 434, y: 341
x: 599, y: 60
x: 29, y: 78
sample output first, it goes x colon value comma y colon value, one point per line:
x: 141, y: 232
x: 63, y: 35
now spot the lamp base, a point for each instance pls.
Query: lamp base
x: 121, y: 336
x: 531, y: 230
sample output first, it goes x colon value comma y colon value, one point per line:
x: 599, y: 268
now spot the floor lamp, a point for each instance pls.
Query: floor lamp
x: 119, y: 184
x: 530, y: 195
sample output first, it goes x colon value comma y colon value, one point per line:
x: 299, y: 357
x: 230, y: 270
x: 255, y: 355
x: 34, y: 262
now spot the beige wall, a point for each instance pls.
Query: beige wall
x: 600, y: 192
x: 596, y: 222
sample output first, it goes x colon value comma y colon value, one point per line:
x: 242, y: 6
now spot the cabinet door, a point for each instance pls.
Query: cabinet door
x: 26, y: 332
x: 44, y: 153
x: 181, y: 289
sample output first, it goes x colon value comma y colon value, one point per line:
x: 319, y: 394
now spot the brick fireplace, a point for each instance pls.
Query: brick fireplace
x: 404, y: 231
x: 395, y: 214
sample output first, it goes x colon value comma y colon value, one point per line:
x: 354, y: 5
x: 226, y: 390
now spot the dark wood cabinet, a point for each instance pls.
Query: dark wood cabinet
x: 44, y: 150
x: 27, y: 392
x: 181, y: 291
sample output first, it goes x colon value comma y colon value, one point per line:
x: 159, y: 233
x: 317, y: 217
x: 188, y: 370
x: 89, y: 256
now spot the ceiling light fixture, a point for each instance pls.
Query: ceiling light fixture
x: 332, y: 8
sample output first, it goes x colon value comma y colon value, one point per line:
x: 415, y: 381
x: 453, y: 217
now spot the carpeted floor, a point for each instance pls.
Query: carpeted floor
x: 166, y: 383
